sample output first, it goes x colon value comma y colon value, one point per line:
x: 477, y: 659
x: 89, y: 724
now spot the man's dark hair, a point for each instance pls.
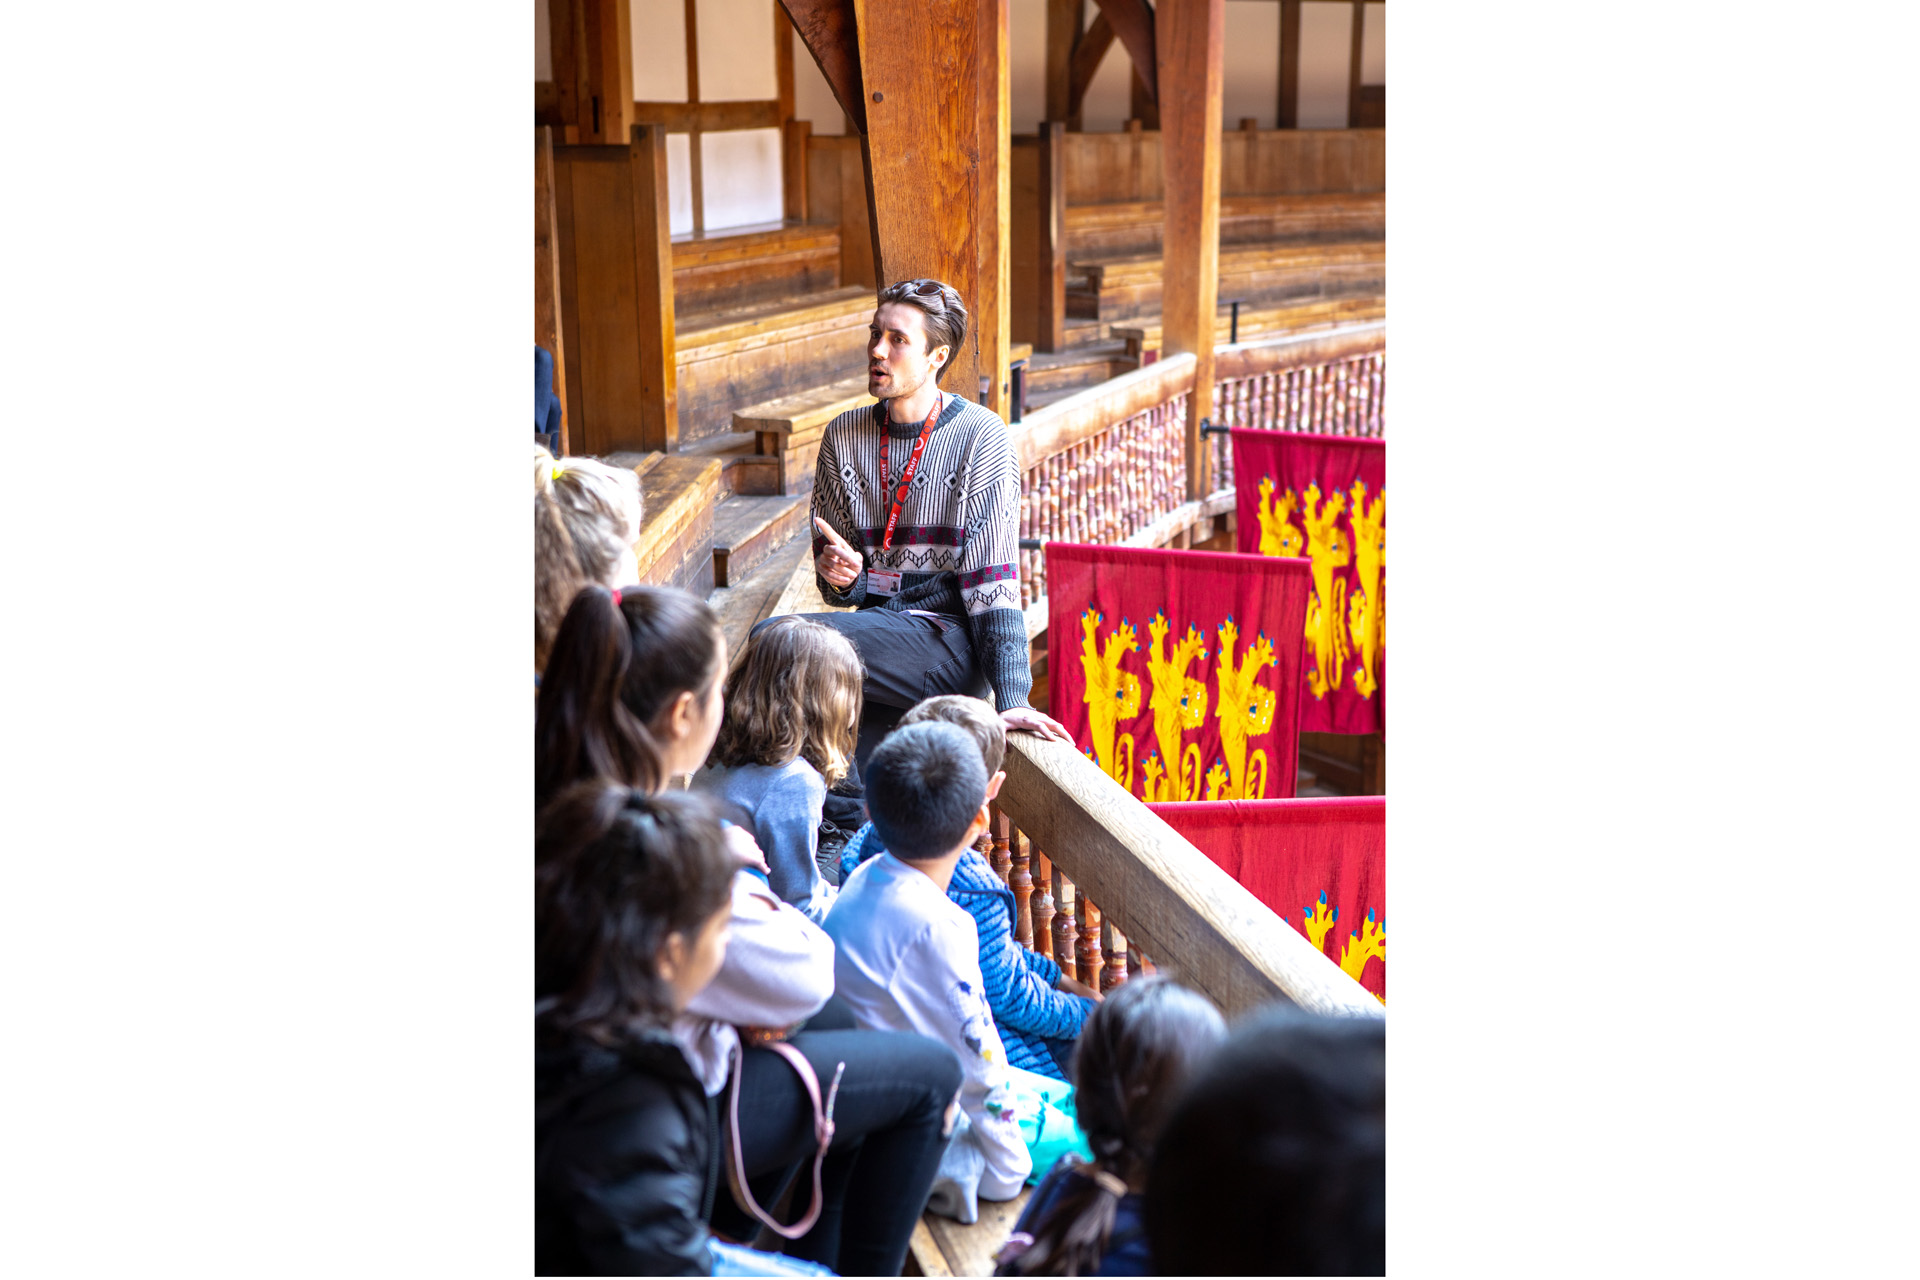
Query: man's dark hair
x: 924, y: 783
x: 1273, y: 1162
x: 946, y: 315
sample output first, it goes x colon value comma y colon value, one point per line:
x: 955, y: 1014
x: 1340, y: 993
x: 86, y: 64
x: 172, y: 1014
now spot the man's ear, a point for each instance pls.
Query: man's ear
x: 993, y: 784
x: 940, y: 355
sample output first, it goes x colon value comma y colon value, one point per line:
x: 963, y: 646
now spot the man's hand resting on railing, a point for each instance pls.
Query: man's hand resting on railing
x: 1027, y: 720
x: 837, y: 562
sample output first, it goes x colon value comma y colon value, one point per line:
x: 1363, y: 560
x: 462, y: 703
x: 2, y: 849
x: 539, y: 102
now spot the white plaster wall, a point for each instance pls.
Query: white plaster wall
x: 736, y: 50
x: 1027, y: 64
x: 1373, y: 46
x: 1251, y: 70
x: 680, y: 184
x: 660, y: 55
x: 1109, y: 100
x: 740, y: 177
x: 1326, y: 50
x: 812, y: 99
x: 542, y: 42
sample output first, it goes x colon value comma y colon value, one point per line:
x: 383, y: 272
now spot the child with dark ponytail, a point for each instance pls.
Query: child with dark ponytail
x: 1137, y: 1049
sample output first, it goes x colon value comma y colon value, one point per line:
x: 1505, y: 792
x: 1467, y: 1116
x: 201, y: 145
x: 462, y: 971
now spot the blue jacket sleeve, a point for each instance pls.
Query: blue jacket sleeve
x: 1019, y: 997
x: 786, y: 822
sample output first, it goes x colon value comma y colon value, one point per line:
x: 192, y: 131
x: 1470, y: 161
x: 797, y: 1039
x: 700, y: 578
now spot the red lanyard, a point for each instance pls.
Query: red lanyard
x: 906, y: 476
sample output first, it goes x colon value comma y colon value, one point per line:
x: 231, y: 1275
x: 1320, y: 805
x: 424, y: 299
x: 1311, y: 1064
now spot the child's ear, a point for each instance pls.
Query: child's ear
x: 671, y: 955
x: 993, y: 784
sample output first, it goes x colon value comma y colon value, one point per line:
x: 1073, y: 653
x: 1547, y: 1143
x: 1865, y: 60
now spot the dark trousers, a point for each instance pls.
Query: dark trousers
x: 908, y: 657
x: 889, y: 1121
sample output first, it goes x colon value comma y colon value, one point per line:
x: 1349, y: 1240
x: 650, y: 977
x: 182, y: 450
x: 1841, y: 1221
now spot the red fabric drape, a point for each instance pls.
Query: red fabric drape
x: 1325, y: 498
x: 1178, y: 672
x: 1321, y: 865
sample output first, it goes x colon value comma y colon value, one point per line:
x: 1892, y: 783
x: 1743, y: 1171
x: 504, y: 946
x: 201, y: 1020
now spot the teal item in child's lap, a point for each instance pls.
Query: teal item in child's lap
x: 1044, y: 1108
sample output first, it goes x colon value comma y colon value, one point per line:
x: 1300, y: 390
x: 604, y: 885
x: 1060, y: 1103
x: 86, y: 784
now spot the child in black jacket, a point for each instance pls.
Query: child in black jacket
x: 633, y: 894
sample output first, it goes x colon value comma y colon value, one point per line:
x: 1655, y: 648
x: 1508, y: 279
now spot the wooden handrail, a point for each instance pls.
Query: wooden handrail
x: 1167, y: 897
x: 1084, y: 414
x: 1297, y: 350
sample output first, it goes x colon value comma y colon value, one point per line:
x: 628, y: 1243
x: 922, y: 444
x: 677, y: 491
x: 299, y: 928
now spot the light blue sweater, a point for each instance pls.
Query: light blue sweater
x: 785, y: 803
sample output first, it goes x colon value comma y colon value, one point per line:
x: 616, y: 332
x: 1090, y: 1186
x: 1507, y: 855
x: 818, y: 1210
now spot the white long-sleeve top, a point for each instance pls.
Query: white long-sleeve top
x: 778, y: 971
x: 906, y: 958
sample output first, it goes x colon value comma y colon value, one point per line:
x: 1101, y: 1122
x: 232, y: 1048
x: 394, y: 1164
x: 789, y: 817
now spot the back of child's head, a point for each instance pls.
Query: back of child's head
x: 1273, y: 1161
x: 586, y: 516
x: 925, y: 783
x: 1138, y: 1047
x: 616, y: 873
x: 617, y: 661
x: 975, y: 715
x: 795, y: 693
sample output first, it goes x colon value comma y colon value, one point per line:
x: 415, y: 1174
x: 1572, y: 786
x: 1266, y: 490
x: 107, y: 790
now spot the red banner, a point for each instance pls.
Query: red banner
x: 1325, y: 498
x: 1178, y: 672
x: 1320, y: 864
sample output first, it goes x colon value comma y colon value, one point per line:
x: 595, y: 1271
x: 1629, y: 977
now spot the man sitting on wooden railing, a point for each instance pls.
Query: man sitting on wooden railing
x: 916, y: 503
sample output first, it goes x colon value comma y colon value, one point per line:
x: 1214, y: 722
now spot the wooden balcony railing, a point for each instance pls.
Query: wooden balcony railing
x: 1331, y: 383
x: 1067, y: 837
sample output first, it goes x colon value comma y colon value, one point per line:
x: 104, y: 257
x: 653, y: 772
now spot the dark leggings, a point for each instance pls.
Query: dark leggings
x: 888, y: 1137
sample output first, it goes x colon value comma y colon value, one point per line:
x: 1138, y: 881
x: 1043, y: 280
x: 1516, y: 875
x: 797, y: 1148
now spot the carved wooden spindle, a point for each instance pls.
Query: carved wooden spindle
x: 1042, y: 905
x: 1022, y: 884
x: 1064, y: 931
x: 1116, y: 970
x: 1147, y: 966
x: 999, y: 859
x: 1087, y: 957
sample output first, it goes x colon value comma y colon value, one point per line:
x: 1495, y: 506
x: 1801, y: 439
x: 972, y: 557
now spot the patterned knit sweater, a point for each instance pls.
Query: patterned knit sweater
x: 958, y: 540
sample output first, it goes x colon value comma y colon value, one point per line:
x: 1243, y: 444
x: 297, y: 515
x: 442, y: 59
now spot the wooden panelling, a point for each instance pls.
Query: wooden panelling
x: 709, y: 117
x: 1131, y: 228
x: 592, y: 45
x: 1288, y: 115
x: 714, y: 271
x: 1104, y: 168
x: 732, y: 360
x: 837, y: 196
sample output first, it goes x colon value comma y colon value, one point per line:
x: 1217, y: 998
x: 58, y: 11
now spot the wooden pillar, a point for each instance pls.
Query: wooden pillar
x: 546, y: 271
x: 1289, y: 114
x: 616, y: 290
x: 1064, y: 932
x: 989, y: 320
x: 1063, y: 34
x: 793, y: 133
x: 1190, y: 38
x: 696, y: 176
x: 1042, y: 904
x: 1353, y: 64
x: 1021, y: 882
x: 592, y: 42
x: 918, y: 65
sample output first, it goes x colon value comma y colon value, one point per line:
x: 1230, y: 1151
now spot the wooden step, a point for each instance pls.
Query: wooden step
x: 1122, y: 228
x: 746, y: 531
x: 745, y: 603
x: 736, y: 454
x: 675, y: 546
x: 804, y: 413
x: 943, y: 1247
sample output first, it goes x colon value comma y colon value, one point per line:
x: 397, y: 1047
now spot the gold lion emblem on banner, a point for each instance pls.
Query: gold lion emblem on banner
x: 1179, y: 703
x: 1245, y: 711
x: 1112, y: 695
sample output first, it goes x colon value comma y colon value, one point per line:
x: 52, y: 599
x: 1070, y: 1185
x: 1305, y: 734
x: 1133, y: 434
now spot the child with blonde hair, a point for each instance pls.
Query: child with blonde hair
x: 586, y: 517
x: 792, y: 715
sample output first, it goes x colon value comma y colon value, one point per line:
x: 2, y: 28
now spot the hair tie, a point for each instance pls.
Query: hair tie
x: 1108, y: 1183
x: 555, y: 477
x: 616, y: 597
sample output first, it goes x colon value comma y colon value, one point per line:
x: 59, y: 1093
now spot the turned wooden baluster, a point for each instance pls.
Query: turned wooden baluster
x: 999, y: 859
x: 1146, y: 966
x: 1087, y: 958
x: 1116, y: 971
x: 1042, y: 938
x: 1064, y: 931
x: 1021, y: 882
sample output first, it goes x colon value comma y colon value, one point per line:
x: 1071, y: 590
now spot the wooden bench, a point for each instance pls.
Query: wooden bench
x: 714, y: 271
x: 728, y: 360
x: 1122, y: 289
x: 943, y: 1247
x: 1133, y: 227
x: 677, y: 495
x: 1143, y: 336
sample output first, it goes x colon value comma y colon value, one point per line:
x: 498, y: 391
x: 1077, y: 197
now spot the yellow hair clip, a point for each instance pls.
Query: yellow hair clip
x: 556, y: 474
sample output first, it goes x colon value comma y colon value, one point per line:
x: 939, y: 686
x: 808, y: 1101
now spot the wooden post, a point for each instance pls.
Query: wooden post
x: 999, y: 858
x: 696, y: 176
x: 794, y: 136
x: 1064, y: 931
x: 1116, y: 971
x: 616, y: 291
x: 1063, y: 33
x: 1289, y: 112
x: 1022, y: 883
x: 1353, y: 64
x: 1042, y: 904
x: 921, y: 150
x: 989, y: 319
x: 593, y: 68
x: 1190, y: 45
x: 1088, y: 961
x: 546, y: 271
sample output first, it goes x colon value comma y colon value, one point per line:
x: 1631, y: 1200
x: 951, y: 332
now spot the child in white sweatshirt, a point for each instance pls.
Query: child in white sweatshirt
x: 906, y: 958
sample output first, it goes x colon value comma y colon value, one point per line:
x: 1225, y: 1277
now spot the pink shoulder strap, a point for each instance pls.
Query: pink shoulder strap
x: 822, y: 1127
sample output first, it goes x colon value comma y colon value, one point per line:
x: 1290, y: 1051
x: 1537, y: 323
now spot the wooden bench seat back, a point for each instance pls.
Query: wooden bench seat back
x: 1118, y: 292
x: 1131, y: 228
x: 740, y: 359
x: 752, y: 265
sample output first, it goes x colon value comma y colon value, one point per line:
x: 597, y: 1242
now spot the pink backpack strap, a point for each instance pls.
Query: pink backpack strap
x: 822, y: 1127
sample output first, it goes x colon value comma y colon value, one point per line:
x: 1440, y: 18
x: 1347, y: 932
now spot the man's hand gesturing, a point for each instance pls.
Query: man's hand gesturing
x: 837, y: 562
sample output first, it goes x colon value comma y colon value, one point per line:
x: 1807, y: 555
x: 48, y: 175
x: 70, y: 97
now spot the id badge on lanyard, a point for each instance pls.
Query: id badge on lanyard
x: 886, y: 582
